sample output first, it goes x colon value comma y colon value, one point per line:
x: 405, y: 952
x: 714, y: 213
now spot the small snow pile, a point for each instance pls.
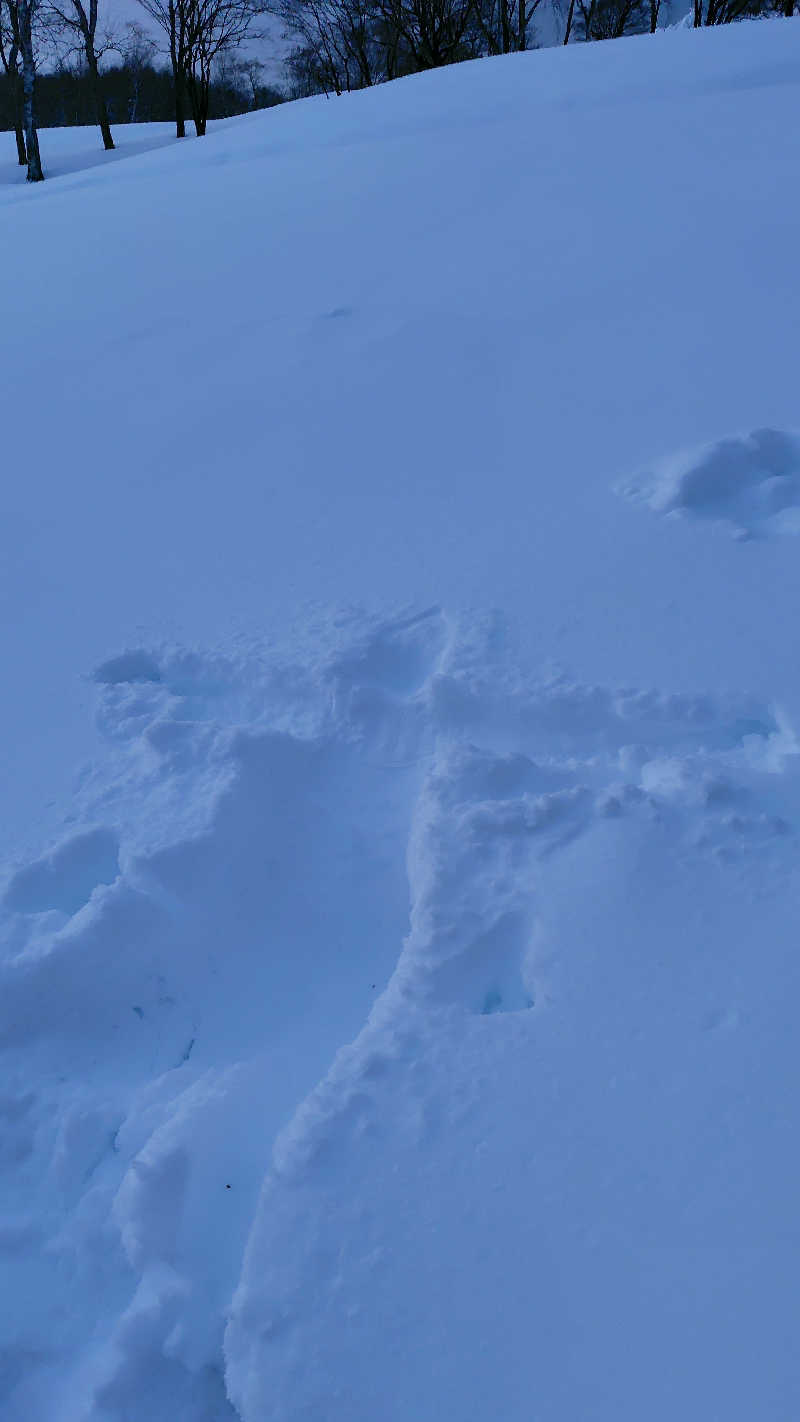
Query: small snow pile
x: 751, y: 483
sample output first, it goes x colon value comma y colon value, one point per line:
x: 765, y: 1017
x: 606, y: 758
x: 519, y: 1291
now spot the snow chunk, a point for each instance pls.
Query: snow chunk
x: 749, y: 482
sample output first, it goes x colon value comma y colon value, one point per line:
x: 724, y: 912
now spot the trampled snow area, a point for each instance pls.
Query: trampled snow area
x: 400, y: 754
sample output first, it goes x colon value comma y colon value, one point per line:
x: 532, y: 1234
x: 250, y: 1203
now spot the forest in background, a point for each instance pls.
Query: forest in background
x: 192, y: 60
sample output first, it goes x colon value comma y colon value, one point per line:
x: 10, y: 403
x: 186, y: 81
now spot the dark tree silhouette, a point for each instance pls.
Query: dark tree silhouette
x: 10, y: 58
x: 198, y: 34
x: 79, y: 21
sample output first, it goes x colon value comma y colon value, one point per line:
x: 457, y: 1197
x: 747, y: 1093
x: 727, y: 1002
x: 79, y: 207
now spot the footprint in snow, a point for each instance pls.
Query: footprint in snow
x: 750, y: 483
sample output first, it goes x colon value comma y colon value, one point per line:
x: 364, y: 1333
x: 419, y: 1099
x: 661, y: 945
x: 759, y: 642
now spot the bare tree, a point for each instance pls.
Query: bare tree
x: 216, y: 29
x: 505, y: 24
x: 172, y: 18
x: 430, y: 33
x: 611, y: 19
x: 339, y: 48
x: 10, y: 58
x: 198, y: 34
x: 251, y: 71
x: 137, y: 50
x: 79, y: 21
x: 724, y: 12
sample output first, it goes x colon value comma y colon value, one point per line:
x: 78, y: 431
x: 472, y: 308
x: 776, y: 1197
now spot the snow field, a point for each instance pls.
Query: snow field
x: 397, y: 1013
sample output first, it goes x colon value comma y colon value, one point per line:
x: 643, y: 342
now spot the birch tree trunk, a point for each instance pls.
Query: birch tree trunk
x: 35, y: 174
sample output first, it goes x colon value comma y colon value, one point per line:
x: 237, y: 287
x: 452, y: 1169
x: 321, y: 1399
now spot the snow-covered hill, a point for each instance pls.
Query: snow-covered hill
x: 400, y: 760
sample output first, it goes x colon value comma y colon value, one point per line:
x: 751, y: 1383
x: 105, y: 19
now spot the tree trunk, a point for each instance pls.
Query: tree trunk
x: 180, y: 114
x: 194, y: 103
x: 570, y: 14
x: 178, y: 81
x: 19, y: 129
x: 102, y: 118
x: 655, y: 6
x: 505, y: 33
x: 35, y: 174
x: 19, y: 134
x: 99, y: 98
x: 201, y: 115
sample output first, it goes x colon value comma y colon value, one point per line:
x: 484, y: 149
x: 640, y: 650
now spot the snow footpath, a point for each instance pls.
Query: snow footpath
x: 549, y: 918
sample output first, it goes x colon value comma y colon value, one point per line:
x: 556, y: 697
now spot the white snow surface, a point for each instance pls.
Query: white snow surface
x: 398, y: 919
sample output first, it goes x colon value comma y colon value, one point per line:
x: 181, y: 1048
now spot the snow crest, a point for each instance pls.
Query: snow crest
x: 183, y: 971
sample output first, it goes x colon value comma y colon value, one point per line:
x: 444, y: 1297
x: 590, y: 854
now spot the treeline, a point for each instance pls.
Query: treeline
x: 60, y: 66
x: 133, y: 94
x: 352, y: 44
x: 202, y: 39
x: 611, y: 19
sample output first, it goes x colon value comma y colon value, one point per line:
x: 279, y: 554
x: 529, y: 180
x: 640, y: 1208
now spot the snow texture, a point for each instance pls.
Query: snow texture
x: 582, y: 880
x: 397, y: 1011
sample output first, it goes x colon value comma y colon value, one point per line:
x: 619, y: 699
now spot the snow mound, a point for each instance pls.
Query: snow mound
x: 751, y: 483
x: 382, y: 830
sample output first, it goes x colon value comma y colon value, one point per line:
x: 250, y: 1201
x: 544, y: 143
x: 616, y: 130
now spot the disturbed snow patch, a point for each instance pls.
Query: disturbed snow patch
x: 749, y: 482
x: 380, y: 828
x: 511, y: 1124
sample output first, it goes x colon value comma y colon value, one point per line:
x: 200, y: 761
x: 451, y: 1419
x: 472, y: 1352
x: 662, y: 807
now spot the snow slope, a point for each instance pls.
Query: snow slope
x: 399, y: 528
x: 70, y: 150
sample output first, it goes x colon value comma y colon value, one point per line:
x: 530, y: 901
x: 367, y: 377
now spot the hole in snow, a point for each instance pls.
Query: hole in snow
x: 495, y: 1002
x: 128, y: 666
